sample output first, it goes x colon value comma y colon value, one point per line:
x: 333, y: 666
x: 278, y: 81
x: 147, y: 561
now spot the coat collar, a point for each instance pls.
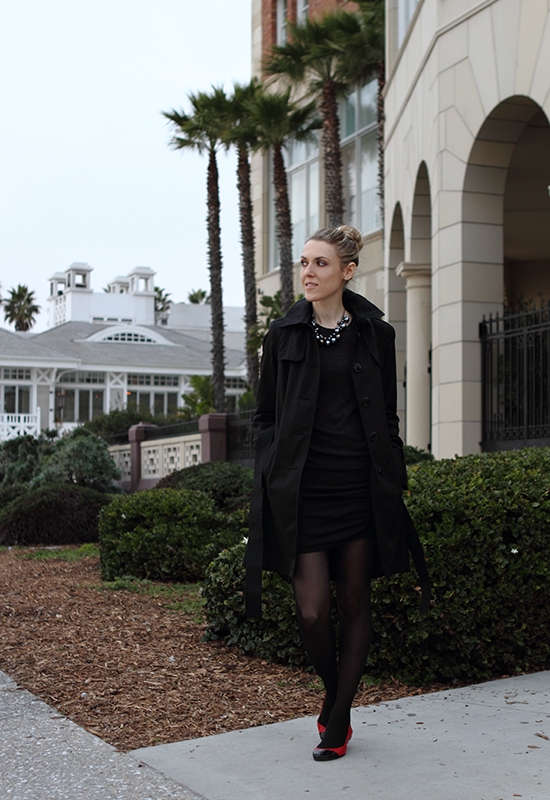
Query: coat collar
x: 359, y: 306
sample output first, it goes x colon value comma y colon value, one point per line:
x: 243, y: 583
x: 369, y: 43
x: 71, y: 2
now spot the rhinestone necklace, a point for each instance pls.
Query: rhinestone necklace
x: 334, y: 335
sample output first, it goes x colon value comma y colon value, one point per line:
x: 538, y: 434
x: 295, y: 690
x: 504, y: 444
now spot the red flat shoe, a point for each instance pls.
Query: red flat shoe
x: 332, y: 753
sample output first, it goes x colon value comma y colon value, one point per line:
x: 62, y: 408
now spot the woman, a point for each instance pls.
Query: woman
x: 329, y: 471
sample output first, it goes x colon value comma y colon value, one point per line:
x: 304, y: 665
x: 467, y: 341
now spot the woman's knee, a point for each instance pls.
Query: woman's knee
x: 353, y: 604
x: 311, y: 616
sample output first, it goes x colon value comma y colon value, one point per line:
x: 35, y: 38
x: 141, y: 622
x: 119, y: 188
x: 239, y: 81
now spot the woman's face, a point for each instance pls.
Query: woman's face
x: 322, y: 275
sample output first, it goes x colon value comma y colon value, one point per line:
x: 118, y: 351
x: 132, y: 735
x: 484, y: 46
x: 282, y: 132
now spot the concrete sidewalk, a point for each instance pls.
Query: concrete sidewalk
x: 490, y: 741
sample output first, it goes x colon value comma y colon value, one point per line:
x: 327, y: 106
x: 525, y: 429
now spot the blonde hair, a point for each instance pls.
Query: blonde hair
x: 346, y: 240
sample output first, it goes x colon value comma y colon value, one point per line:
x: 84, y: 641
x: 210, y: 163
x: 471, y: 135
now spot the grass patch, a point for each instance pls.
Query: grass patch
x: 185, y: 598
x: 61, y: 553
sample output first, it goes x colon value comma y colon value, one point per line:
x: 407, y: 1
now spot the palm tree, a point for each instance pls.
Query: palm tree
x: 203, y: 130
x: 277, y: 121
x: 20, y: 307
x: 198, y: 297
x: 242, y: 135
x: 330, y: 54
x: 373, y: 17
x: 162, y: 303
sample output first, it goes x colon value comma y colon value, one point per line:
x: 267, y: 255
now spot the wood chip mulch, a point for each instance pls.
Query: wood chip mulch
x: 132, y: 671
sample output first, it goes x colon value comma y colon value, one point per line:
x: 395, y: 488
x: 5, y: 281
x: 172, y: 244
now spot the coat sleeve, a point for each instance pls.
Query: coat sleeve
x: 389, y: 381
x: 264, y: 416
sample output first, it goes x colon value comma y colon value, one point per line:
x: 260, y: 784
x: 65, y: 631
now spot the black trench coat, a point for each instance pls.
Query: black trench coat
x: 283, y: 424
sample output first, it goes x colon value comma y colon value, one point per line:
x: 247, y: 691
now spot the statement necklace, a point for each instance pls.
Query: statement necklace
x: 334, y: 335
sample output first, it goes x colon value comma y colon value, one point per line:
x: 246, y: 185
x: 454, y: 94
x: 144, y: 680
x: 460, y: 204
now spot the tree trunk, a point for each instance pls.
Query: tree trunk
x: 381, y: 120
x: 215, y: 269
x: 284, y: 228
x: 334, y: 195
x: 249, y: 273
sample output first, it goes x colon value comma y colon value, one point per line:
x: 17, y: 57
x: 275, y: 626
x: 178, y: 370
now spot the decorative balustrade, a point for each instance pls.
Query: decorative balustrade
x: 14, y: 425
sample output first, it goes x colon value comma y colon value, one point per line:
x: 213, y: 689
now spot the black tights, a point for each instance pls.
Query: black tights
x: 340, y: 672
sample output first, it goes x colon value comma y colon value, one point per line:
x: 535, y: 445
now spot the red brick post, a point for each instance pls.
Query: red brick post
x: 213, y: 429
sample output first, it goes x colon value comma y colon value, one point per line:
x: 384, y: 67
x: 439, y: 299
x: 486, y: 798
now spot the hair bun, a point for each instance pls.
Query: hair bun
x: 355, y: 235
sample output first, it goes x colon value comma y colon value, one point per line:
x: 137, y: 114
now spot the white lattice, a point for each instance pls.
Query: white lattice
x: 171, y: 455
x: 125, y: 464
x: 14, y: 425
x: 150, y: 463
x: 116, y: 379
x: 192, y: 453
x: 45, y: 376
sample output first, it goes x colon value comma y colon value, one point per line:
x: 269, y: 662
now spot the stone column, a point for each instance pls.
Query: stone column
x: 213, y: 429
x: 419, y: 330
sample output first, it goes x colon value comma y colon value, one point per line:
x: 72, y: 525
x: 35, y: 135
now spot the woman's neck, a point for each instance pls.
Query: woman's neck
x: 328, y: 313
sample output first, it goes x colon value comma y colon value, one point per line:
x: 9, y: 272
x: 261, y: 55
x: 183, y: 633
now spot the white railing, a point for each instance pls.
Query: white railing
x: 160, y: 457
x: 14, y: 425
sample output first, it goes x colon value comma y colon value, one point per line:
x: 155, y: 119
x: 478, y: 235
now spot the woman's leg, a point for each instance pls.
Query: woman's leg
x: 354, y: 562
x: 311, y: 584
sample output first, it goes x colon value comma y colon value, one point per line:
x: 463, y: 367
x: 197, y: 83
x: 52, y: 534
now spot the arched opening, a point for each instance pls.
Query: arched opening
x: 418, y: 276
x: 506, y: 267
x: 396, y: 305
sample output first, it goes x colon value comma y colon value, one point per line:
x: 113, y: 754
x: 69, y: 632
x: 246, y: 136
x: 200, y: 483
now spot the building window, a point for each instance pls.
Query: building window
x: 156, y: 403
x: 72, y: 376
x: 358, y: 118
x: 16, y: 374
x: 302, y: 11
x: 302, y: 165
x: 17, y: 399
x: 405, y: 11
x: 282, y: 16
x: 78, y: 405
x: 139, y: 338
x: 153, y: 380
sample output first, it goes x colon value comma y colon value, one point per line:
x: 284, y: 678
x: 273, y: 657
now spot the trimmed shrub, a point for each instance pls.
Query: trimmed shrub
x: 415, y: 455
x: 485, y: 524
x: 81, y: 458
x: 21, y: 458
x: 275, y: 637
x: 229, y: 485
x: 53, y: 514
x: 11, y: 492
x: 164, y: 534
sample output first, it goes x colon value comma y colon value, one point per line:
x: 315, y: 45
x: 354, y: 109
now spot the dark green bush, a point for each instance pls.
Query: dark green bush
x: 21, y: 458
x: 275, y: 637
x: 164, y: 534
x: 229, y: 485
x: 485, y: 524
x: 415, y: 455
x: 53, y: 514
x: 10, y: 492
x: 80, y: 458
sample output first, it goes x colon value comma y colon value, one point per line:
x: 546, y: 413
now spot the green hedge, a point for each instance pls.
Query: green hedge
x: 229, y: 485
x: 485, y: 524
x: 164, y: 534
x: 53, y: 514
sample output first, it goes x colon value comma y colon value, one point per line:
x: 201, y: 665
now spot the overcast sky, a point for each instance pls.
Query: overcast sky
x: 85, y: 170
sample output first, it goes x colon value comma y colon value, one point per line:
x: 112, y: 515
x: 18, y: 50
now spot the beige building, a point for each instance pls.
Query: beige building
x: 467, y: 209
x: 466, y: 193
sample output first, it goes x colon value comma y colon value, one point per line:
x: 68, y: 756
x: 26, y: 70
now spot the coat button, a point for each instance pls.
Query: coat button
x: 374, y: 437
x: 380, y: 471
x: 357, y: 368
x: 365, y: 402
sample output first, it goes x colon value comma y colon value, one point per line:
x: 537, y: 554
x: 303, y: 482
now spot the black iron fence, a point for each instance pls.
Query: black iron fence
x: 240, y: 446
x: 516, y: 380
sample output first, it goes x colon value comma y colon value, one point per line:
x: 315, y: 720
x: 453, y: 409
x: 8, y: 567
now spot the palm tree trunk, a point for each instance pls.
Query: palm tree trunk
x: 334, y: 195
x: 215, y: 269
x: 249, y: 274
x: 284, y: 228
x: 381, y: 120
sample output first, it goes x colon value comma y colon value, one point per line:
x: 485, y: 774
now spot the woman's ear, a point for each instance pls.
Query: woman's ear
x: 349, y: 271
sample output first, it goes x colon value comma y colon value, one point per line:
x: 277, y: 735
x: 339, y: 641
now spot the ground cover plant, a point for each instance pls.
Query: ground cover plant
x: 485, y: 524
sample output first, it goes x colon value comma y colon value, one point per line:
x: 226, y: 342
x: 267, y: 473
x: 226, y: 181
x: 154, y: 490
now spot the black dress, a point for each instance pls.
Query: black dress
x: 335, y: 504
